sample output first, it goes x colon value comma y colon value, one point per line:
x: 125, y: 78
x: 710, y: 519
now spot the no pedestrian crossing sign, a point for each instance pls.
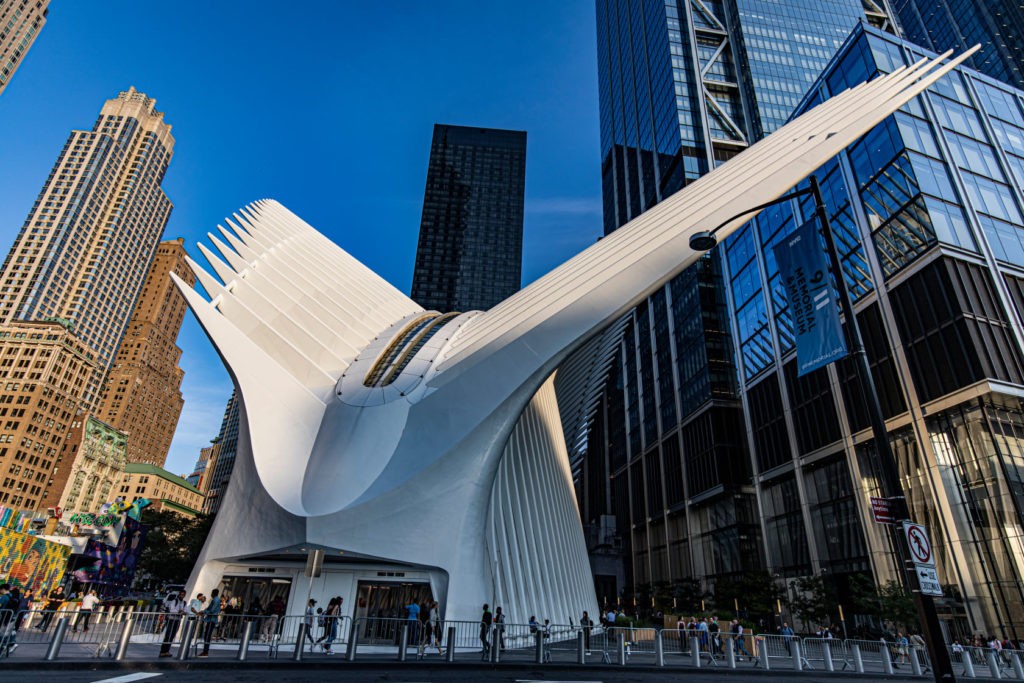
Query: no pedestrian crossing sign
x: 919, y: 543
x: 923, y: 558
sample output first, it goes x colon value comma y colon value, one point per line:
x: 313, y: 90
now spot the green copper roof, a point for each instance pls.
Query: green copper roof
x: 146, y: 468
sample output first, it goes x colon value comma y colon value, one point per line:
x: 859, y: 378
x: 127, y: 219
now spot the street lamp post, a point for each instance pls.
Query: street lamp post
x: 942, y: 666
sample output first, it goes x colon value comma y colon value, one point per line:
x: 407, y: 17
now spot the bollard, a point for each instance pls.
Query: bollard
x: 403, y: 642
x: 826, y: 653
x: 798, y: 662
x: 243, y: 644
x: 581, y: 649
x: 449, y: 653
x: 761, y: 652
x: 1018, y: 670
x: 915, y: 661
x: 126, y: 636
x: 993, y: 664
x: 187, y: 633
x: 858, y: 661
x: 886, y: 659
x: 300, y: 643
x: 353, y: 643
x: 659, y: 650
x: 730, y: 652
x: 695, y: 651
x: 539, y: 647
x: 495, y: 644
x: 622, y: 648
x: 58, y: 639
x: 968, y: 662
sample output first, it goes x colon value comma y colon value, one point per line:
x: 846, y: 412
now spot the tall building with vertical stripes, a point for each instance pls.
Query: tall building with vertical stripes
x: 996, y: 25
x: 683, y: 87
x: 20, y: 24
x: 85, y: 248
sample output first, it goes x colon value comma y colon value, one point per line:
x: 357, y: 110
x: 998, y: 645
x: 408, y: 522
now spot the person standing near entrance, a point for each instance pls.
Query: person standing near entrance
x: 331, y: 616
x: 499, y: 622
x: 309, y: 620
x: 486, y: 619
x: 176, y: 608
x: 434, y: 624
x: 211, y: 615
x: 412, y: 616
x: 586, y: 623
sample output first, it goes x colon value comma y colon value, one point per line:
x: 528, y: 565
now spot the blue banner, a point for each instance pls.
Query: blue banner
x: 812, y: 303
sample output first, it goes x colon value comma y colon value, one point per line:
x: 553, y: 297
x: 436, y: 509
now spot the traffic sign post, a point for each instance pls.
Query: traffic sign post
x: 921, y: 554
x: 882, y: 510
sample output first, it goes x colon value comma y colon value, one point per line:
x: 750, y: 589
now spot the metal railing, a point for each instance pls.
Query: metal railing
x: 122, y: 632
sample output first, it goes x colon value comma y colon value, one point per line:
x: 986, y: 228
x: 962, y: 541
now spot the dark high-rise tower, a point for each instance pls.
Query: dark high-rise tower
x: 470, y: 250
x: 998, y: 25
x: 683, y: 87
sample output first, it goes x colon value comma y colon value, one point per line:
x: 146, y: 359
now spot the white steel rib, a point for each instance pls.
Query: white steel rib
x: 374, y: 428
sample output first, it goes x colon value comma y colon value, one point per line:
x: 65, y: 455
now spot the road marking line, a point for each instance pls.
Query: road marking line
x: 127, y: 678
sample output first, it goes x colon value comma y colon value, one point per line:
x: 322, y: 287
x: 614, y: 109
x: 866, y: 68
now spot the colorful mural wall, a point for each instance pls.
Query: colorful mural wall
x: 26, y: 561
x: 112, y: 567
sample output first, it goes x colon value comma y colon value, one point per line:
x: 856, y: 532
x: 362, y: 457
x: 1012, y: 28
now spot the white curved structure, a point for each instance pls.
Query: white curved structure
x: 376, y: 429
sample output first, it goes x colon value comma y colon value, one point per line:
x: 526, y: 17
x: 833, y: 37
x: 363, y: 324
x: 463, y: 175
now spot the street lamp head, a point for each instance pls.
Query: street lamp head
x: 703, y: 241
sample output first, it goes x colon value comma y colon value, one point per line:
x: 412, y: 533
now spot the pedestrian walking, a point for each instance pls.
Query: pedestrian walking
x: 176, y: 609
x: 413, y: 618
x: 89, y: 603
x: 434, y: 624
x: 274, y: 612
x: 54, y: 599
x: 309, y: 619
x: 486, y: 619
x: 499, y: 622
x: 331, y: 615
x: 211, y: 616
x: 736, y: 628
x: 902, y: 645
x: 713, y: 631
x: 586, y: 623
x: 787, y: 636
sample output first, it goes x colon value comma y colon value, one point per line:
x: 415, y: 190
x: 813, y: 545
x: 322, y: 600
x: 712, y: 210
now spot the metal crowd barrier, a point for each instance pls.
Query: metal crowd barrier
x: 119, y: 632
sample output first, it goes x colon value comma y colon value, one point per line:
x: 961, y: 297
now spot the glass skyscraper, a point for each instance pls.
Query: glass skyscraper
x: 928, y: 214
x: 470, y: 251
x: 684, y: 86
x: 997, y: 25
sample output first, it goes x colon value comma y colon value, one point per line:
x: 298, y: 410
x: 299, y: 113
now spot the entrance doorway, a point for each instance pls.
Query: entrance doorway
x: 381, y: 606
x: 252, y: 595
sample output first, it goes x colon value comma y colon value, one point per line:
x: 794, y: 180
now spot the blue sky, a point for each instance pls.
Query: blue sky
x: 328, y: 109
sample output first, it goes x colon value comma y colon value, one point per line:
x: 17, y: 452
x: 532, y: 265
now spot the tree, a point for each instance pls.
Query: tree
x: 887, y: 603
x: 813, y: 601
x: 172, y: 544
x: 755, y: 594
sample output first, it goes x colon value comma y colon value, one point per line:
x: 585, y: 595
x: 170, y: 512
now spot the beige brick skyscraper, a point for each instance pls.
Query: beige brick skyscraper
x: 142, y: 394
x: 20, y: 23
x: 43, y: 371
x: 85, y: 248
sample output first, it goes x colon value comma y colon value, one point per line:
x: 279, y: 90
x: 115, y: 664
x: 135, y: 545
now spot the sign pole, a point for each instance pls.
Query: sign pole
x: 888, y: 471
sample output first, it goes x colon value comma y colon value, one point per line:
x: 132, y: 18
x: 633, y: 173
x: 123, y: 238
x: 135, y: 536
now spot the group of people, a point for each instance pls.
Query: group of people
x: 324, y: 619
x: 207, y: 614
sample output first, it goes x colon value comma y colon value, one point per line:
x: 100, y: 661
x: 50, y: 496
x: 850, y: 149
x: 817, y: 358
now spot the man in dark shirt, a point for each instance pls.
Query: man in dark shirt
x: 485, y: 628
x: 54, y: 599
